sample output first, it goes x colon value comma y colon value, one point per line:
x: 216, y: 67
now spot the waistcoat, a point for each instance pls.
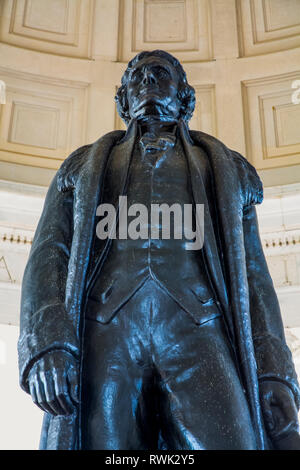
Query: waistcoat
x: 160, y: 176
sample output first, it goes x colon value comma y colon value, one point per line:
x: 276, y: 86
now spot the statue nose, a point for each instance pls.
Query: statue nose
x: 148, y: 78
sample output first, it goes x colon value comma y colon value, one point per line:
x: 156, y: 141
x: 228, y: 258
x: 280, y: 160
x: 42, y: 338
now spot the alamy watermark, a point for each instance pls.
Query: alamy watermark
x: 2, y: 92
x: 164, y: 222
x: 296, y: 93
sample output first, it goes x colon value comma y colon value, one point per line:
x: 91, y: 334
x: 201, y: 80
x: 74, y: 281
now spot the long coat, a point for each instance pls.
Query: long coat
x: 56, y: 275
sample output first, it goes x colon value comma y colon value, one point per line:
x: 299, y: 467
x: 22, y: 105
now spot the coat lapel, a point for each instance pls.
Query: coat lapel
x: 63, y: 432
x: 230, y: 206
x: 122, y: 155
x: 93, y: 178
x: 199, y: 194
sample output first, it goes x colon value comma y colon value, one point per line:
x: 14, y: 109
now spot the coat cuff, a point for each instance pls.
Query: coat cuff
x: 48, y: 330
x: 274, y: 362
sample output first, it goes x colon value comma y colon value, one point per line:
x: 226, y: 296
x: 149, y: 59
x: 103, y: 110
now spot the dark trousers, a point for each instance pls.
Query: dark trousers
x: 154, y: 379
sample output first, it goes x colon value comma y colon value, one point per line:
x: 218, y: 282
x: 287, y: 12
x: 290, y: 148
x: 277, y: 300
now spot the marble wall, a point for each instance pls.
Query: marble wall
x: 61, y: 62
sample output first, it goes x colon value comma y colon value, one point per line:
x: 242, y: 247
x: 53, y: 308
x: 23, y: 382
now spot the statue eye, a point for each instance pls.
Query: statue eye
x: 161, y: 72
x: 136, y: 75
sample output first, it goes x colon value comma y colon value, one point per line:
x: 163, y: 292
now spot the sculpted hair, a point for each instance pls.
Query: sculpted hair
x: 186, y: 92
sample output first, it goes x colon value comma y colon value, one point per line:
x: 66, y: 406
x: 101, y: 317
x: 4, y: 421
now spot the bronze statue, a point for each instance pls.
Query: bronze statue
x: 139, y: 343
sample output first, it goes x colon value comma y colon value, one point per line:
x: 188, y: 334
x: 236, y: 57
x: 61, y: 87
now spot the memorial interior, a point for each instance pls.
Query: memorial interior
x: 61, y: 63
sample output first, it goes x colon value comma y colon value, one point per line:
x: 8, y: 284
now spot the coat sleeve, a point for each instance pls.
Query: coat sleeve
x: 45, y: 325
x: 273, y: 357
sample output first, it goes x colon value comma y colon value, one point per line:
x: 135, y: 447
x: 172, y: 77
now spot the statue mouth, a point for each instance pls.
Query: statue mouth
x: 150, y: 90
x: 148, y: 98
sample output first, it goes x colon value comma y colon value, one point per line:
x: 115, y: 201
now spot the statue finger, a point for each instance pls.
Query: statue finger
x: 268, y: 415
x: 41, y: 397
x: 33, y: 394
x: 290, y: 412
x: 62, y: 393
x: 72, y: 378
x: 65, y: 402
x: 50, y: 395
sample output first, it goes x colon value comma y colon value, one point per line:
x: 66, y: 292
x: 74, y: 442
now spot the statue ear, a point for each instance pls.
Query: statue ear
x: 187, y: 97
x: 183, y: 107
x: 122, y: 104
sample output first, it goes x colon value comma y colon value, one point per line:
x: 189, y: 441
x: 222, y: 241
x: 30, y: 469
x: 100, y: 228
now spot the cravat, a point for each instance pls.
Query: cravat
x: 152, y: 143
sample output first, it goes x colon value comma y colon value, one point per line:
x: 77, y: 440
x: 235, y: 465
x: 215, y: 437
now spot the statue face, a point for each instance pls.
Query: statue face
x: 152, y: 90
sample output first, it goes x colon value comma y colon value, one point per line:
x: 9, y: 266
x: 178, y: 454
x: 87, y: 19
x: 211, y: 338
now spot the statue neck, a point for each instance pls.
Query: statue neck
x: 156, y: 127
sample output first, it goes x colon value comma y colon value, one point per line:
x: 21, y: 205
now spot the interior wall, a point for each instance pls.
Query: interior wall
x: 62, y: 61
x: 21, y: 420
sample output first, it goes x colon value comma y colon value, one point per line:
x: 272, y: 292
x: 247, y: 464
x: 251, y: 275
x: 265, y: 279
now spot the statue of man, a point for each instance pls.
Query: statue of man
x: 138, y: 342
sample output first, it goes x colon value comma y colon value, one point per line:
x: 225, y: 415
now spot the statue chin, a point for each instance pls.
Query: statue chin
x: 153, y: 114
x: 154, y: 118
x: 152, y: 109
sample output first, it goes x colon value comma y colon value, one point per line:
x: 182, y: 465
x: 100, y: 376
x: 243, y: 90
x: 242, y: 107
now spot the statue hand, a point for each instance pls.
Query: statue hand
x: 53, y: 383
x: 279, y: 409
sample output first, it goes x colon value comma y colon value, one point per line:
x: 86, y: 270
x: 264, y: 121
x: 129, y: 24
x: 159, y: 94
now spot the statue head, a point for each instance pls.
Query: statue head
x: 154, y: 86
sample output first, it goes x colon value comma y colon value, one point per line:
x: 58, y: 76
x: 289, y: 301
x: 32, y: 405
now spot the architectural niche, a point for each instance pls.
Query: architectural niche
x: 182, y: 27
x: 271, y: 121
x: 267, y: 25
x: 59, y: 27
x: 43, y: 119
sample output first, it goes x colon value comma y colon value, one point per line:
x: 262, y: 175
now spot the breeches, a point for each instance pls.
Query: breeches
x: 154, y: 379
